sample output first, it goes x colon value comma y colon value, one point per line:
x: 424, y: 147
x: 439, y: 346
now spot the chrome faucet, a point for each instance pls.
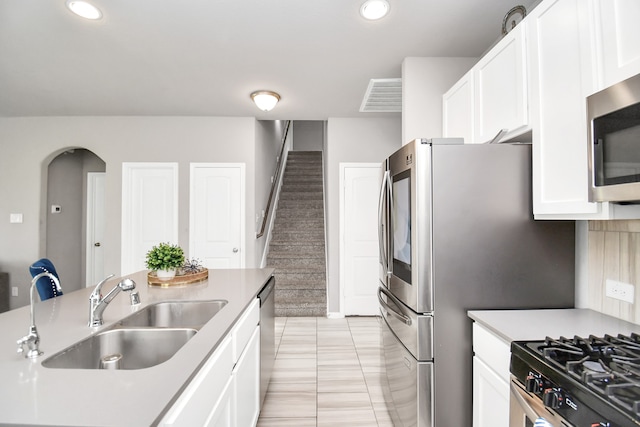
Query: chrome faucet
x: 97, y: 304
x: 32, y: 339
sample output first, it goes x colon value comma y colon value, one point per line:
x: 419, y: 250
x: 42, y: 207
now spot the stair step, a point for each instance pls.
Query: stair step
x: 301, y: 214
x: 297, y: 222
x: 301, y: 284
x: 296, y: 262
x: 300, y: 271
x: 297, y: 245
x: 301, y: 312
x: 294, y: 255
x: 300, y: 195
x: 300, y: 204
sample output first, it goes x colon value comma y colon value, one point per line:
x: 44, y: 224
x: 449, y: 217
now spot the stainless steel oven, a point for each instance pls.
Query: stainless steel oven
x: 526, y: 410
x: 590, y: 381
x: 614, y: 143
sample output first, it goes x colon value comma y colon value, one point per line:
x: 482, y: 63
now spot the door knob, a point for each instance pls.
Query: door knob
x: 97, y: 244
x: 235, y: 250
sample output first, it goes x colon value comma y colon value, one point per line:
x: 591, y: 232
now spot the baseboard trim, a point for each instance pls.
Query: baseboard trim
x: 335, y: 315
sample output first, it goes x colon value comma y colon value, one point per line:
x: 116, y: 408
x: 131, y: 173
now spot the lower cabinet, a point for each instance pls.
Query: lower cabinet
x: 490, y: 397
x: 226, y: 390
x: 246, y: 379
x: 490, y: 379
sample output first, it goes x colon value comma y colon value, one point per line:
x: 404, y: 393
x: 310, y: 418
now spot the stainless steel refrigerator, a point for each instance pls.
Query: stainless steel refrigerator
x: 456, y: 234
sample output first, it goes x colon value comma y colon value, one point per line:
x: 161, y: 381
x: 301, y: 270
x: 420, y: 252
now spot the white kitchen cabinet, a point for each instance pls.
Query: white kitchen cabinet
x: 246, y: 377
x: 204, y: 394
x: 457, y: 110
x: 500, y: 89
x: 225, y: 392
x: 222, y: 414
x: 559, y: 79
x: 561, y: 62
x: 490, y: 379
x: 618, y: 33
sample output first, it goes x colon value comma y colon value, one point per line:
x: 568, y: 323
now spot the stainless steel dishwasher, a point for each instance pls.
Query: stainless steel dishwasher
x: 267, y: 336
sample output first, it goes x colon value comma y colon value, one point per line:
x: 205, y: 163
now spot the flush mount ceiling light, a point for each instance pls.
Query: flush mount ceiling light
x: 265, y: 99
x: 84, y: 9
x: 374, y: 9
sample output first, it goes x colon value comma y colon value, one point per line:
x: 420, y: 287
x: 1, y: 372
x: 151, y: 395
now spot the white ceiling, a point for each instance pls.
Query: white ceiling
x: 204, y: 57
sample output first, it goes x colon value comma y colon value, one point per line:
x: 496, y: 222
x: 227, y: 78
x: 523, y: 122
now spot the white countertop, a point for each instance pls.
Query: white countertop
x: 34, y: 395
x: 528, y: 325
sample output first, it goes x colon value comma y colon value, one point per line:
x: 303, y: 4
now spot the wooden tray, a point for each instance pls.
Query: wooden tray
x: 179, y: 280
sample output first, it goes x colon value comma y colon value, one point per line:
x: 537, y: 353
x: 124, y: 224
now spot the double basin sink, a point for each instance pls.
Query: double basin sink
x: 144, y: 339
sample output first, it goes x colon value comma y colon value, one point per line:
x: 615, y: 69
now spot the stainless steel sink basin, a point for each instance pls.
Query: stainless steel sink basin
x: 173, y: 314
x: 122, y: 349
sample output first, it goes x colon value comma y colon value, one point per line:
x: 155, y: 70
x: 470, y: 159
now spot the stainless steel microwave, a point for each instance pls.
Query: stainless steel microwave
x: 614, y: 143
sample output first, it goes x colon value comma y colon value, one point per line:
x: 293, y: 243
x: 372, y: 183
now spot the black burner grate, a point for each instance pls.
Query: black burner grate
x: 610, y: 366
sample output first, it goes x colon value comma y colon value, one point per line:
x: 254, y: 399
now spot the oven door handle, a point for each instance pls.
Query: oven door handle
x: 529, y: 411
x: 400, y: 316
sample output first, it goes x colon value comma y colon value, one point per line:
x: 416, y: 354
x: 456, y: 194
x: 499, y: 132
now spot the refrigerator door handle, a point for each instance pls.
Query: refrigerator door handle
x: 382, y: 241
x: 400, y: 316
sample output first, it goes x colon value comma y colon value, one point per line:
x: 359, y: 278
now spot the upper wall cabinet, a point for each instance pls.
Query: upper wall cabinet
x: 457, y: 110
x: 537, y: 78
x: 563, y: 71
x: 617, y: 28
x: 500, y: 89
x: 492, y: 96
x: 559, y: 64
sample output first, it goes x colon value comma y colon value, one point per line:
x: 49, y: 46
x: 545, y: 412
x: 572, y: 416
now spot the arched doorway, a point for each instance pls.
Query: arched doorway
x: 68, y: 214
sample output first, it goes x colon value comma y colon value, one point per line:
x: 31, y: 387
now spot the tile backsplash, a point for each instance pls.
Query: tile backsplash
x: 614, y: 254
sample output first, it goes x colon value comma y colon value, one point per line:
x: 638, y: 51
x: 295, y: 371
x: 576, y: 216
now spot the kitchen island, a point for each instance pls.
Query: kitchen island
x: 37, y: 395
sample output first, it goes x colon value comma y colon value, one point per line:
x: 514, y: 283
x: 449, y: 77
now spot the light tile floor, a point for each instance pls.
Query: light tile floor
x: 326, y: 374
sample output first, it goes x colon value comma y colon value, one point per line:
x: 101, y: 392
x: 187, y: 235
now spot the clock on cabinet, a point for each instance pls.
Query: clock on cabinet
x: 512, y: 18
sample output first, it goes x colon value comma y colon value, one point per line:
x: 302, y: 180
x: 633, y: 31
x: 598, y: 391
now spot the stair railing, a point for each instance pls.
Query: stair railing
x: 275, y: 182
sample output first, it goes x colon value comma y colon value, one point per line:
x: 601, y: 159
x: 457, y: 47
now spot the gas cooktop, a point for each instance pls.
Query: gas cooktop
x: 592, y: 381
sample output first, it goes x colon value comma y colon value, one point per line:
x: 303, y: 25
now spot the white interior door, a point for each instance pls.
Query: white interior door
x: 149, y: 210
x: 216, y: 231
x: 359, y: 232
x: 95, y: 228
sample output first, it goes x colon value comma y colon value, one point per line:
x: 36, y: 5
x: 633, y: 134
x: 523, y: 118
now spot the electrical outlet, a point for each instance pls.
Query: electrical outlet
x: 620, y: 290
x: 14, y: 291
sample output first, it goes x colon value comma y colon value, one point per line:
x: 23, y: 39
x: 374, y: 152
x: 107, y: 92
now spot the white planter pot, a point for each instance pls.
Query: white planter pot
x: 166, y: 274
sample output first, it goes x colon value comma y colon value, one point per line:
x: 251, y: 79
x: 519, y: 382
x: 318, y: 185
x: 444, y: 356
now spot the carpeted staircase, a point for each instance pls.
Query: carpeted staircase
x: 296, y: 250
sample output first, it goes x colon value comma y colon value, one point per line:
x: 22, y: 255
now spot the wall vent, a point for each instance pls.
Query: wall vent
x: 383, y: 96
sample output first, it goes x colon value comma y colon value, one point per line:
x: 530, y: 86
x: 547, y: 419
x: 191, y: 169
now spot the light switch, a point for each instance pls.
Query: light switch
x: 15, y: 218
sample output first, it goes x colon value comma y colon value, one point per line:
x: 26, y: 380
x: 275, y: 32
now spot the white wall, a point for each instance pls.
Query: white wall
x: 424, y: 81
x: 268, y: 145
x: 350, y: 140
x: 309, y: 135
x: 29, y: 144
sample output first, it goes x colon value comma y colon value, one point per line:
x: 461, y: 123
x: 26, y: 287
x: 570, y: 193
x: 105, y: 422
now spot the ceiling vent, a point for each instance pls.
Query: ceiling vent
x: 383, y: 96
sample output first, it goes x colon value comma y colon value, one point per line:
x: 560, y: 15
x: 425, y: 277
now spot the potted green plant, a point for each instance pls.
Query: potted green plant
x: 164, y: 259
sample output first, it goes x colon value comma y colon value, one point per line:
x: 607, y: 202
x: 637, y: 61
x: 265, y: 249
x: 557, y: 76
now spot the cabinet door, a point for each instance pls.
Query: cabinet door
x: 193, y: 407
x: 490, y: 397
x: 617, y: 24
x: 560, y: 66
x: 246, y: 377
x: 501, y: 89
x: 222, y: 413
x: 457, y: 110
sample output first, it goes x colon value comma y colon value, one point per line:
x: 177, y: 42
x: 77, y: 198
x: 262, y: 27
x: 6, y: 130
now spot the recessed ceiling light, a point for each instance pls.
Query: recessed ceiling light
x: 374, y: 9
x: 84, y: 9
